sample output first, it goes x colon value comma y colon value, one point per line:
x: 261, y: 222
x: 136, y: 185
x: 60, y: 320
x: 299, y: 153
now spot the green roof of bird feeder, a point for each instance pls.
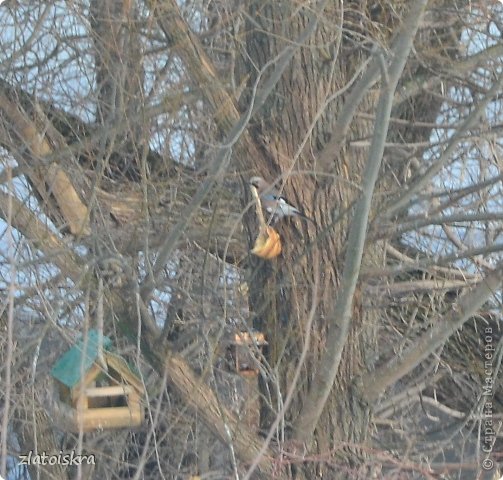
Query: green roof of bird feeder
x: 70, y: 366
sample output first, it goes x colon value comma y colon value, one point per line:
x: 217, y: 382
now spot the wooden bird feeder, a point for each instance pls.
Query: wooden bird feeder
x: 245, y: 349
x: 100, y: 390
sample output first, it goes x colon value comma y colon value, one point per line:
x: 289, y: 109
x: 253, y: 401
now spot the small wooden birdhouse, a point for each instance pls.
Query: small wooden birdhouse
x: 245, y: 349
x: 101, y: 390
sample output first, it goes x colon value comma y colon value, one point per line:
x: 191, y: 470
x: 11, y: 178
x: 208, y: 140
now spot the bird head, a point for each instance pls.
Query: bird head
x: 257, y: 182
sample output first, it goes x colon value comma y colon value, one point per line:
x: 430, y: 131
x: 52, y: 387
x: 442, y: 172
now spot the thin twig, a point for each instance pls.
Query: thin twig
x: 10, y: 327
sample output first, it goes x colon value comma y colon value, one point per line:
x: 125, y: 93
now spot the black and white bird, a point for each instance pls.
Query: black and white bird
x: 273, y: 202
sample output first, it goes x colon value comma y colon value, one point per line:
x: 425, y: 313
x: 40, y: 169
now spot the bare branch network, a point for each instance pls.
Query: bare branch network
x: 167, y: 321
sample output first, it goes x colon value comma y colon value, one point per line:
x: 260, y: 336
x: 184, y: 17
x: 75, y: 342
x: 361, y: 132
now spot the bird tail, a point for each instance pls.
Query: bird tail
x: 305, y: 217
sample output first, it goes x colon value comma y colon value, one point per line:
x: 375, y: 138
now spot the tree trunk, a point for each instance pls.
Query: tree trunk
x: 294, y: 129
x: 311, y: 252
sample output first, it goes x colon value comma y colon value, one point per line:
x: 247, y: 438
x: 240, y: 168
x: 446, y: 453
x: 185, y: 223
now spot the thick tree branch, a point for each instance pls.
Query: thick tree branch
x: 27, y: 223
x: 392, y: 230
x: 220, y: 421
x: 58, y: 183
x: 433, y: 262
x: 374, y: 383
x: 192, y: 388
x: 403, y: 288
x: 201, y: 69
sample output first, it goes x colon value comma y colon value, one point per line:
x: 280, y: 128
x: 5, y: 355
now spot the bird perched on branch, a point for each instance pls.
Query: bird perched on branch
x: 273, y: 202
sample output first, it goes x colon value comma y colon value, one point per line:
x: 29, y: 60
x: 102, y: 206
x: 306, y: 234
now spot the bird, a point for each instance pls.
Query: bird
x: 274, y: 203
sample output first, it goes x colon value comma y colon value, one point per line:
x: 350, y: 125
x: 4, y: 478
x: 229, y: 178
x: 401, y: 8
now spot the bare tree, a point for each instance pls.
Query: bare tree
x: 129, y: 131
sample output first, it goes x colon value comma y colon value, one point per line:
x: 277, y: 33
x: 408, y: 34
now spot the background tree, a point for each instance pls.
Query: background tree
x: 129, y: 131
